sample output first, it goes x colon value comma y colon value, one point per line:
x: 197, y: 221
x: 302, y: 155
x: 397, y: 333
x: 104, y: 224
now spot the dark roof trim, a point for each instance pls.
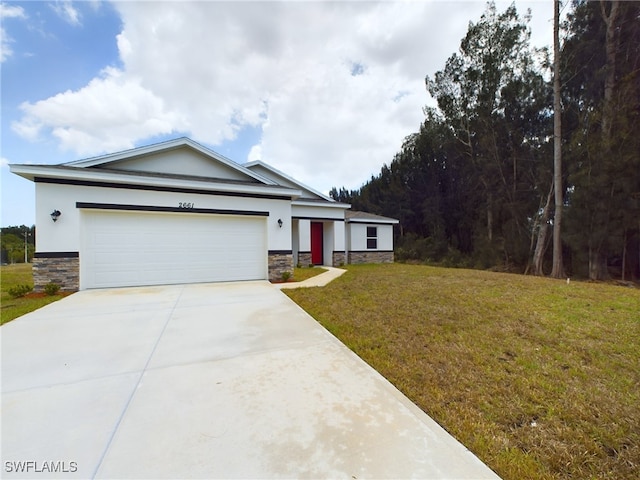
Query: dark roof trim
x: 371, y: 251
x: 322, y: 219
x: 154, y: 208
x: 155, y: 188
x: 143, y: 173
x: 56, y: 255
x: 369, y: 222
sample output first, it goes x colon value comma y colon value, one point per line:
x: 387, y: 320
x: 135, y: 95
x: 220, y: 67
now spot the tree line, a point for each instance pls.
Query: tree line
x: 12, y: 243
x: 475, y: 185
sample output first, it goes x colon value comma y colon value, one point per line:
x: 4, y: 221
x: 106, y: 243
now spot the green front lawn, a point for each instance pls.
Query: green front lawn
x: 19, y: 274
x: 539, y: 378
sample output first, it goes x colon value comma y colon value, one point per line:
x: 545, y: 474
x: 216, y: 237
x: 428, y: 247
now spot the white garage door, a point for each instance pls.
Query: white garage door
x: 134, y: 248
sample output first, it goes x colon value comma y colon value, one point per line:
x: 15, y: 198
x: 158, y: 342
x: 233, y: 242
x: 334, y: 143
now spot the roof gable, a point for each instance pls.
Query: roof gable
x: 270, y: 173
x: 176, y: 157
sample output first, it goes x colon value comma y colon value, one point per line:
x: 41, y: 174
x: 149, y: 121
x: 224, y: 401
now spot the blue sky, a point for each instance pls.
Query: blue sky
x: 48, y: 54
x: 325, y: 91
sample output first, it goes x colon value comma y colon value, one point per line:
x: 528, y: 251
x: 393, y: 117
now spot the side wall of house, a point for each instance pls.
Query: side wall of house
x: 358, y: 237
x: 358, y: 250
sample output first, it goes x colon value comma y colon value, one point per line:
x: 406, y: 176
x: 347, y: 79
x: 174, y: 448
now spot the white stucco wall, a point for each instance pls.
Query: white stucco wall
x: 304, y: 235
x: 64, y: 235
x: 339, y: 237
x: 357, y: 237
x: 317, y: 212
x: 295, y: 239
x: 328, y: 241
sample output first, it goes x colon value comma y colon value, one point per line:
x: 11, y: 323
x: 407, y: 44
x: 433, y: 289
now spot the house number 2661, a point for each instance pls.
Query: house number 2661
x: 185, y: 204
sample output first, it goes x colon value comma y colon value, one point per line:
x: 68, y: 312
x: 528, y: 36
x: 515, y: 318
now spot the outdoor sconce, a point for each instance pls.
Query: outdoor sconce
x: 280, y: 222
x: 55, y: 214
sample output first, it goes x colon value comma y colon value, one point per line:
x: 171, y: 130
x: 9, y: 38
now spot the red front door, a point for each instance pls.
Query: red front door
x: 316, y: 243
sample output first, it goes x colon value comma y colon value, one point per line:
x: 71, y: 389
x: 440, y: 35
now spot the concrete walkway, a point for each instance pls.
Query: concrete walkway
x: 204, y: 381
x: 317, y: 281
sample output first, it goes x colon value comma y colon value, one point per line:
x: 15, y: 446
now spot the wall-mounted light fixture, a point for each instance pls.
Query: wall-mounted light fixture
x: 55, y: 214
x: 280, y: 222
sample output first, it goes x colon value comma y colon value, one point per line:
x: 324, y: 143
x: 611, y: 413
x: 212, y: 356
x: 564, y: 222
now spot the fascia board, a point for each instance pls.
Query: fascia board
x: 168, y: 145
x: 372, y: 221
x: 133, y: 152
x: 334, y: 204
x: 31, y: 171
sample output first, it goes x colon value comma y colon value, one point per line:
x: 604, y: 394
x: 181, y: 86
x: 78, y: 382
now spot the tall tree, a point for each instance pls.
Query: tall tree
x: 541, y: 234
x: 603, y: 95
x: 598, y: 253
x: 611, y: 48
x: 492, y: 96
x: 473, y: 184
x: 557, y: 270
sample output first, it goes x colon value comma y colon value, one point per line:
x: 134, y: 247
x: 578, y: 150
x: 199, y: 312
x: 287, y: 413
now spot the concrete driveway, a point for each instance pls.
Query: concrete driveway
x: 204, y: 381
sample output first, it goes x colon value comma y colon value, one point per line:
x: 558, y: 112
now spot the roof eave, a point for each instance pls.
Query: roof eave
x: 30, y: 172
x: 382, y: 220
x: 333, y: 204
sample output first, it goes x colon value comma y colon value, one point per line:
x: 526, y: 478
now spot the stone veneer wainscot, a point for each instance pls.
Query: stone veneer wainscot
x: 304, y: 259
x: 371, y: 257
x: 61, y: 268
x: 280, y: 262
x: 338, y: 259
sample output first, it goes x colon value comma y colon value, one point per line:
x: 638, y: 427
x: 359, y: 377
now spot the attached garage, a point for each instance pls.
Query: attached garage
x: 130, y: 248
x: 176, y: 212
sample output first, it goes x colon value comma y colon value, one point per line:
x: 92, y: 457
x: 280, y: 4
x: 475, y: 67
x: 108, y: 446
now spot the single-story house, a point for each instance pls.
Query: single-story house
x: 177, y: 212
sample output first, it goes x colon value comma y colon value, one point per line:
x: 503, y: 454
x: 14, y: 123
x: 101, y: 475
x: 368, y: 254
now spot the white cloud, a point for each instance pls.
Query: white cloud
x: 4, y: 162
x: 65, y: 10
x: 334, y: 86
x: 11, y: 11
x: 95, y: 4
x: 110, y: 113
x: 7, y: 11
x: 291, y: 75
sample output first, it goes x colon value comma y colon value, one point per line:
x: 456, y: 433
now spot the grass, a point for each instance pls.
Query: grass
x: 300, y: 274
x: 540, y: 379
x: 12, y: 308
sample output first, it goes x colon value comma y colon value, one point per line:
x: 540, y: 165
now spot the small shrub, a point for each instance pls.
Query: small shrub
x: 19, y: 290
x: 51, y: 288
x: 286, y: 276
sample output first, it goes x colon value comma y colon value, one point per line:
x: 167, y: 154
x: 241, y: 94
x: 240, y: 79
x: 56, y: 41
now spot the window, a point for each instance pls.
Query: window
x: 372, y: 237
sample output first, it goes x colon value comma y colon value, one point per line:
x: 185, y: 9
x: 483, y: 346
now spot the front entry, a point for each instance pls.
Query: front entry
x: 316, y: 243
